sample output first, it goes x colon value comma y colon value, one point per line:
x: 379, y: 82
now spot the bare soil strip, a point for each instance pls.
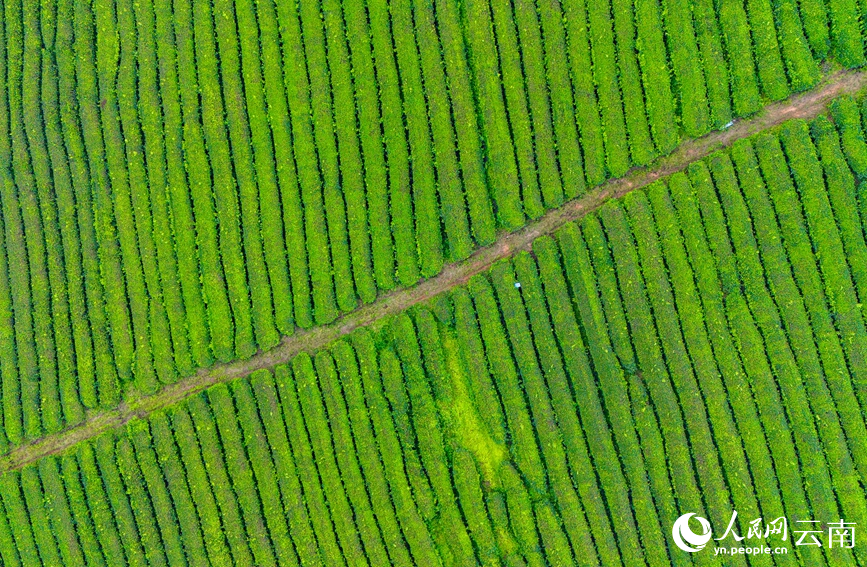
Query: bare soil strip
x: 805, y: 105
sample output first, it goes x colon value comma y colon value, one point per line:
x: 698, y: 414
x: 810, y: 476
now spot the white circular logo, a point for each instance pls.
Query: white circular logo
x: 685, y: 538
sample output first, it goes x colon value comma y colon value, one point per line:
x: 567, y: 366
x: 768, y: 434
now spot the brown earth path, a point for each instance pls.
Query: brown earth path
x: 804, y: 105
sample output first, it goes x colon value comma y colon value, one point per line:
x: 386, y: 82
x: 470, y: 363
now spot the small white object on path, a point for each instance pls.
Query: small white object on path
x: 518, y: 284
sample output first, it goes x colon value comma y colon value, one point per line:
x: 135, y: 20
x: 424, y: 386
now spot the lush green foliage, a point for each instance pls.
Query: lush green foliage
x: 665, y: 353
x: 187, y: 181
x: 184, y: 182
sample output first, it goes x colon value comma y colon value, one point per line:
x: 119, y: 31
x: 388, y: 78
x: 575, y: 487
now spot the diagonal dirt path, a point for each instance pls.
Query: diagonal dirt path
x: 804, y: 105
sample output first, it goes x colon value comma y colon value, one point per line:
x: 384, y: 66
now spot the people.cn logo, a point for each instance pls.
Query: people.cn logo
x: 688, y: 540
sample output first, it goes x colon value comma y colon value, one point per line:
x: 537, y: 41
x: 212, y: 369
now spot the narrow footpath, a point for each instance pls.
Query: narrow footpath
x: 804, y: 105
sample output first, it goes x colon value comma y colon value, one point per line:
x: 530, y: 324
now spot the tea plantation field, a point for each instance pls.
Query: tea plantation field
x: 186, y: 183
x: 697, y: 345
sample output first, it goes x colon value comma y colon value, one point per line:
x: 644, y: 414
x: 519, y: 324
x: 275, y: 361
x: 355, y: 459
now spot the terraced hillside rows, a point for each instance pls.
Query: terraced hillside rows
x: 696, y: 346
x: 184, y: 182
